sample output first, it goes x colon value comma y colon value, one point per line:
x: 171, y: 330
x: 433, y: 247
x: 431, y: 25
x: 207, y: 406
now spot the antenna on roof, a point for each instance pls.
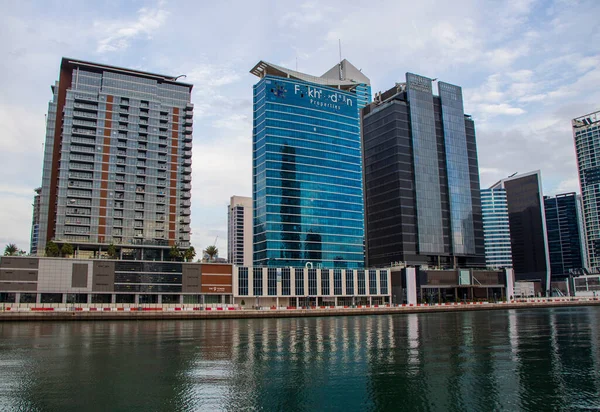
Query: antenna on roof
x: 341, y: 72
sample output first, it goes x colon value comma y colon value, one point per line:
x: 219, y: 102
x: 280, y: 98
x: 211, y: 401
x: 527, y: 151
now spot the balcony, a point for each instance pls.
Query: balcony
x: 82, y: 158
x: 187, y: 162
x: 186, y: 170
x: 79, y: 184
x: 186, y: 178
x: 188, y: 129
x: 82, y: 149
x: 187, y: 137
x: 185, y: 203
x: 187, y: 146
x: 186, y: 186
x: 84, y: 140
x: 78, y: 212
x: 186, y: 194
x: 184, y: 220
x: 80, y: 166
x: 84, y: 123
x: 84, y: 132
x: 185, y: 212
x: 85, y: 106
x: 187, y: 154
x: 184, y: 230
x: 81, y: 175
x: 84, y: 115
x: 188, y: 121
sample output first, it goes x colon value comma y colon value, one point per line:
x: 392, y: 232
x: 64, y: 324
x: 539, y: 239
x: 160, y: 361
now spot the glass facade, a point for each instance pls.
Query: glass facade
x: 421, y: 176
x: 457, y: 169
x: 307, y: 175
x: 527, y: 224
x: 496, y: 228
x: 565, y: 241
x: 425, y: 154
x: 586, y: 132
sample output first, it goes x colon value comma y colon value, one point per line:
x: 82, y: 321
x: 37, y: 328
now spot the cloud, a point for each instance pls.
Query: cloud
x: 118, y: 35
x: 502, y: 108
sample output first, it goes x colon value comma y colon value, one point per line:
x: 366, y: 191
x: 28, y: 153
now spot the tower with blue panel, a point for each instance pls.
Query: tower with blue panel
x: 307, y: 169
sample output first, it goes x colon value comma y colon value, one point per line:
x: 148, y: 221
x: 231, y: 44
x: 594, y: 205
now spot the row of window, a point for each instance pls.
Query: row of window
x: 283, y: 276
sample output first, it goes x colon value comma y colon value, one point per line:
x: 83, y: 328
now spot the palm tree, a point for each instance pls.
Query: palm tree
x: 174, y: 252
x: 189, y: 254
x: 11, y: 250
x: 211, y: 251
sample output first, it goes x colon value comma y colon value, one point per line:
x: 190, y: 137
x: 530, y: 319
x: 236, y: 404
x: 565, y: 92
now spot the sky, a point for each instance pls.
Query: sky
x: 527, y: 67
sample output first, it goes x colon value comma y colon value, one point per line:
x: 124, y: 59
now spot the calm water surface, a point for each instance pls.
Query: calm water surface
x: 538, y: 359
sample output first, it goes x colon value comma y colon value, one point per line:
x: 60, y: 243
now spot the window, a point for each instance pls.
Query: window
x: 272, y: 281
x: 337, y: 281
x: 349, y: 282
x: 325, y: 282
x: 285, y: 282
x: 372, y: 282
x: 258, y: 281
x: 383, y: 282
x: 300, y: 282
x: 361, y: 282
x: 312, y: 282
x: 243, y: 281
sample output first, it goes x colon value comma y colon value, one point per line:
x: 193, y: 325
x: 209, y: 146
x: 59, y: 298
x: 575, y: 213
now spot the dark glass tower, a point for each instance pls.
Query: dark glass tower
x: 565, y: 239
x: 527, y: 222
x: 422, y: 196
x: 307, y: 180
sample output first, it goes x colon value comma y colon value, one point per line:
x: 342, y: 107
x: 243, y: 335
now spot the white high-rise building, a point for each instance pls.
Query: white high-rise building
x: 239, y: 231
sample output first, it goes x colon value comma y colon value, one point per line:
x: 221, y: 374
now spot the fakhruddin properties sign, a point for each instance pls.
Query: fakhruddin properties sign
x: 299, y: 93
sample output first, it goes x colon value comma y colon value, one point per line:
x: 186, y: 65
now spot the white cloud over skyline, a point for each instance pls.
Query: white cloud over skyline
x: 527, y: 67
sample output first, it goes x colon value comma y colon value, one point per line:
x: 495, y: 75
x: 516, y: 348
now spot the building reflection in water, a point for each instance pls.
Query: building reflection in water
x: 526, y: 359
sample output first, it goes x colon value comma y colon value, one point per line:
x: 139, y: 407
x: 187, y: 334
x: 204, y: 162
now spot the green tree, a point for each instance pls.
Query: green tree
x: 52, y: 249
x: 112, y: 251
x: 11, y: 250
x: 212, y: 251
x: 189, y: 254
x: 66, y: 250
x: 174, y: 252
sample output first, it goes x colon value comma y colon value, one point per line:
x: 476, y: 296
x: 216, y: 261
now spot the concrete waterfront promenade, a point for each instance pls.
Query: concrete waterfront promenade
x: 157, y: 312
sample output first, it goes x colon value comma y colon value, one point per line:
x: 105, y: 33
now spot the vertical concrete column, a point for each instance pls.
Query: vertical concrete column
x: 411, y: 286
x: 38, y: 298
x: 371, y: 300
x: 277, y: 300
x: 159, y: 297
x: 137, y: 299
x: 64, y: 298
x: 113, y: 298
x: 181, y: 299
x: 17, y: 297
x: 335, y: 301
x: 510, y: 284
x: 89, y: 298
x: 297, y: 301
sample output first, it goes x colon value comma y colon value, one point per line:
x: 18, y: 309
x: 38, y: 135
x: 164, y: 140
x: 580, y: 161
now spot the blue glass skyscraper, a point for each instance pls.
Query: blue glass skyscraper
x: 496, y: 228
x: 307, y: 168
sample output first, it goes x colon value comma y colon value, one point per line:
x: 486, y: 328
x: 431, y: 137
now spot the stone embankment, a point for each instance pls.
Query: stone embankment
x: 12, y: 312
